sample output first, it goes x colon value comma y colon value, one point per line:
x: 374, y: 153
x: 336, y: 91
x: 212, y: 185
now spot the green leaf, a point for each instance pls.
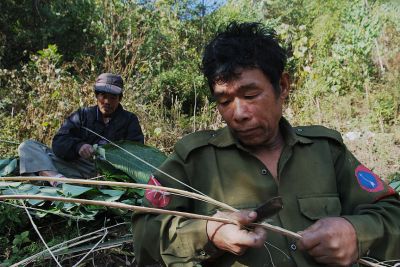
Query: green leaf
x: 49, y: 191
x: 7, y: 166
x: 132, y: 162
x: 114, y: 193
x: 5, y: 185
x: 395, y: 185
x: 25, y: 189
x: 74, y: 190
x: 107, y: 198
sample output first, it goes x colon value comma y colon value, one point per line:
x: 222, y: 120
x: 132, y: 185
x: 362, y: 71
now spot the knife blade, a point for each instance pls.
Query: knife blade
x: 269, y: 208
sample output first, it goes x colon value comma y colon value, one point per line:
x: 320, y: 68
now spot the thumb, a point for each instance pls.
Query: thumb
x: 246, y: 216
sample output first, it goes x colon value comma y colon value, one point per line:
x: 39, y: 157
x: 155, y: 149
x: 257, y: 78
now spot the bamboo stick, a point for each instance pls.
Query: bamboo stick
x: 369, y: 263
x: 122, y: 184
x: 149, y: 210
x: 161, y: 188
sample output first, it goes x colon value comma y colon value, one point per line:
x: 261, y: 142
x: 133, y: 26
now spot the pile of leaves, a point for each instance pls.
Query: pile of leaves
x: 125, y: 162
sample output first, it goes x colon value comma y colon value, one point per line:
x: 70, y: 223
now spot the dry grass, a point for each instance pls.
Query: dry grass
x: 379, y: 152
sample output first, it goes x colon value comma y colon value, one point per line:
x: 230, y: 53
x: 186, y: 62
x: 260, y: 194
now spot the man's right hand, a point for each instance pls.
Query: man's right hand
x: 233, y: 238
x: 86, y: 151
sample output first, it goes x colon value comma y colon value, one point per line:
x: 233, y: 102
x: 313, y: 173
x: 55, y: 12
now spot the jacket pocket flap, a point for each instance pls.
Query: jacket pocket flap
x: 318, y: 207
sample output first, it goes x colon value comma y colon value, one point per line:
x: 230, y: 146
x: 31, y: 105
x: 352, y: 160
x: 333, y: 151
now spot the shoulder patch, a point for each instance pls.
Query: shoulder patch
x: 192, y: 141
x: 318, y: 131
x: 368, y: 180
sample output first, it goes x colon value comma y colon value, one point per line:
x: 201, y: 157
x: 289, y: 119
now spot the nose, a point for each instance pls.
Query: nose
x: 241, y: 111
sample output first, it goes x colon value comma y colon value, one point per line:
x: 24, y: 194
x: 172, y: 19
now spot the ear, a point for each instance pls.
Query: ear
x: 284, y: 83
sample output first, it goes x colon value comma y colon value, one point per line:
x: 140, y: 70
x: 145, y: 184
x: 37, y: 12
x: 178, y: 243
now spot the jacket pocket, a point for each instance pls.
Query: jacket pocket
x: 316, y: 207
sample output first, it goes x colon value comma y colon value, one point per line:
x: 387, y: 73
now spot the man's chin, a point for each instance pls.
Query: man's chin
x: 106, y: 112
x: 250, y: 140
x: 250, y: 143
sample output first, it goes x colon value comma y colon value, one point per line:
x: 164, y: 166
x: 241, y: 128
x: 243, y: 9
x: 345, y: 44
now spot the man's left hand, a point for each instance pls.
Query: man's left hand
x: 331, y: 241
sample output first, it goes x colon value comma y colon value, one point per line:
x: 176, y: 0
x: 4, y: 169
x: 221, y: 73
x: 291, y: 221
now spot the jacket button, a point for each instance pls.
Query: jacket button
x: 264, y: 172
x: 202, y: 253
x: 293, y: 247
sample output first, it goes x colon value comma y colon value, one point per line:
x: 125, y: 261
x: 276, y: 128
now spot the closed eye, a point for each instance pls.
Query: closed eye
x: 223, y: 102
x: 251, y: 96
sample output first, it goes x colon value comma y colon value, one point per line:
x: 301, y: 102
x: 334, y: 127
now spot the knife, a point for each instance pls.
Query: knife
x: 269, y: 208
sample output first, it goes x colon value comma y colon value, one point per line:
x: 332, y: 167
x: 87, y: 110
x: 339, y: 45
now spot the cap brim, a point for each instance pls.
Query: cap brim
x: 108, y: 88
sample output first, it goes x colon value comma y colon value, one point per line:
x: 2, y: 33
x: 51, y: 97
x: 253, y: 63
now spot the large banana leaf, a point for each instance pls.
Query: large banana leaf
x: 119, y: 164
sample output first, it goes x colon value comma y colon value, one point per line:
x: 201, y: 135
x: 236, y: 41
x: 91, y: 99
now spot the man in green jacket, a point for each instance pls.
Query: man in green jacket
x: 342, y: 210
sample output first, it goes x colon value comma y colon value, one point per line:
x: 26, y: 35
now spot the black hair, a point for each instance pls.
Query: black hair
x: 245, y: 45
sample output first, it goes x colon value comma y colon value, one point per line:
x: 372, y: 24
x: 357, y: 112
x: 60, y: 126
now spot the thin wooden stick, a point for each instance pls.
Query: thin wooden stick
x: 149, y: 210
x: 121, y: 184
x: 161, y: 188
x: 39, y: 234
x: 66, y: 245
x: 369, y: 263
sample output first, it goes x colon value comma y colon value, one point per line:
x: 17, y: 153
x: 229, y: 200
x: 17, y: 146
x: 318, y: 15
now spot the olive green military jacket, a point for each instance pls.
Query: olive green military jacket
x: 317, y: 177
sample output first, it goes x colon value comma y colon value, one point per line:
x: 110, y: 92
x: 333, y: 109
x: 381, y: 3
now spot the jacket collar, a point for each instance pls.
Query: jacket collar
x: 224, y: 137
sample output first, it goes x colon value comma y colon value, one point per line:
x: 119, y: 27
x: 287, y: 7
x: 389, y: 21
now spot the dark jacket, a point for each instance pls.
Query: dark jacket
x: 123, y: 125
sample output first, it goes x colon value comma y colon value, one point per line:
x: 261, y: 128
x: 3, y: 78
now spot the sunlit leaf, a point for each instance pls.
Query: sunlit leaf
x: 7, y: 166
x: 114, y: 193
x: 4, y: 185
x: 74, y: 190
x: 132, y: 163
x: 395, y: 185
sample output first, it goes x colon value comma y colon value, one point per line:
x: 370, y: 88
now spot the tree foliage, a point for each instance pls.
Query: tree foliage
x: 343, y: 59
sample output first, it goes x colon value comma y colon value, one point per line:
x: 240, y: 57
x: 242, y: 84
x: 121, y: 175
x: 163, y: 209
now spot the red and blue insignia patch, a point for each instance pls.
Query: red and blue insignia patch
x: 157, y: 198
x: 368, y: 180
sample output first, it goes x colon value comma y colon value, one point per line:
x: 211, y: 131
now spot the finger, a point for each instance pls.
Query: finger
x: 318, y: 251
x: 244, y: 217
x: 309, y: 240
x: 310, y: 237
x: 260, y: 231
x: 86, y: 154
x: 324, y: 259
x: 239, y: 250
x: 261, y: 236
x: 252, y: 238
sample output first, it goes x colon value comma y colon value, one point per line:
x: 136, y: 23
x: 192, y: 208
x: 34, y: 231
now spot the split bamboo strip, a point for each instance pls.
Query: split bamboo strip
x: 66, y: 245
x: 369, y: 263
x: 149, y: 210
x: 161, y: 188
x: 121, y: 184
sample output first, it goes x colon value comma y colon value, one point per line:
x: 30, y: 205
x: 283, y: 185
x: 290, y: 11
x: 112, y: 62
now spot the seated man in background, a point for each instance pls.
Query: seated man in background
x: 342, y: 210
x: 72, y: 146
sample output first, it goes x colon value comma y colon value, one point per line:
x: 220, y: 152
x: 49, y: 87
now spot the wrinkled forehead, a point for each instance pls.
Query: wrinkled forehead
x: 228, y: 76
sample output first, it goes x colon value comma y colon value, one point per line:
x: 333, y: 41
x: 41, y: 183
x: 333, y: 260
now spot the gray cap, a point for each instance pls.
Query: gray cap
x: 109, y: 83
